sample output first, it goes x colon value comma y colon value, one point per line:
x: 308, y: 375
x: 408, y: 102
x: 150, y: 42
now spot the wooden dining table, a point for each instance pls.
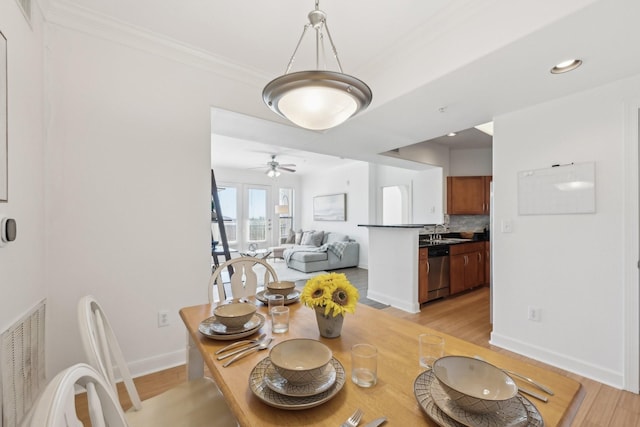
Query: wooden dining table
x: 393, y: 396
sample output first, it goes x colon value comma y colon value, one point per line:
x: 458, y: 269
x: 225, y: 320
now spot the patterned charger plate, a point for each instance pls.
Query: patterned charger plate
x: 280, y: 385
x: 289, y: 299
x: 209, y: 326
x: 435, y: 402
x: 263, y: 392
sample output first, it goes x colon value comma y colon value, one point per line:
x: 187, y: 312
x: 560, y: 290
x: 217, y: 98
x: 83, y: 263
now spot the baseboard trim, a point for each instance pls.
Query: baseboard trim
x: 577, y: 366
x: 158, y: 363
x: 394, y: 302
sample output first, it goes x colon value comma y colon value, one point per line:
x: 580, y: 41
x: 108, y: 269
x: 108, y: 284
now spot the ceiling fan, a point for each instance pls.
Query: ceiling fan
x: 274, y: 167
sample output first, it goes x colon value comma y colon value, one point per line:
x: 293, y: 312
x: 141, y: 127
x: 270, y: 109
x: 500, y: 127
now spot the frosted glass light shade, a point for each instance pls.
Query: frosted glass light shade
x: 317, y: 100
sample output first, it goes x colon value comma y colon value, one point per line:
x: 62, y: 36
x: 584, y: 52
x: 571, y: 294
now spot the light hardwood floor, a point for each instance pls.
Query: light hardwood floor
x: 466, y: 316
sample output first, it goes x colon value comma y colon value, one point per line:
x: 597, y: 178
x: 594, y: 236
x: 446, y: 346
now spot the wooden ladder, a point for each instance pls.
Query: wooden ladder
x: 216, y: 215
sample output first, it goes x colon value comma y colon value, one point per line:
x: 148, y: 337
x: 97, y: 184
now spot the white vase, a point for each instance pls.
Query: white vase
x: 330, y: 326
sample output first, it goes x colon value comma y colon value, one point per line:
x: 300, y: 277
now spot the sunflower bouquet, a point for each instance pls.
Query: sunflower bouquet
x: 332, y: 291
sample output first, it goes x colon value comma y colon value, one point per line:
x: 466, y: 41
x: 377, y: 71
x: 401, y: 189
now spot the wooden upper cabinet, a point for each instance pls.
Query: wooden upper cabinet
x: 468, y: 195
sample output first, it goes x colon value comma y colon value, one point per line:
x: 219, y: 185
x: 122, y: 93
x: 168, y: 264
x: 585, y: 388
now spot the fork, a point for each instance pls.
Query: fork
x: 354, y: 419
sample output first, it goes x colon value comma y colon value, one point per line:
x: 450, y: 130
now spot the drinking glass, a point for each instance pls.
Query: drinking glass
x: 431, y: 348
x: 279, y: 319
x: 364, y: 365
x: 275, y: 300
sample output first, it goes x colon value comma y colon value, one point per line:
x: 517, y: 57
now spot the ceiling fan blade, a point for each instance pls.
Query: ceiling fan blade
x: 287, y: 165
x: 286, y: 169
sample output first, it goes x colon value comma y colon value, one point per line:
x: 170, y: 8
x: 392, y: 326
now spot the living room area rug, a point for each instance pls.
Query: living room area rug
x: 289, y: 274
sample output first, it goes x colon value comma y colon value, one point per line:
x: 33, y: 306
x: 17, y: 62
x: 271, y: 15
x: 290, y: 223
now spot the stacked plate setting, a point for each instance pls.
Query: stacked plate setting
x: 213, y: 328
x: 461, y: 391
x: 287, y: 380
x: 291, y: 297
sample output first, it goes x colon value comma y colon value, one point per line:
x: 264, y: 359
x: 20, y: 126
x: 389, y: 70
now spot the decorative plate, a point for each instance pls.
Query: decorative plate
x: 423, y: 388
x: 280, y: 385
x: 259, y: 388
x: 289, y: 299
x: 206, y: 329
x: 215, y: 327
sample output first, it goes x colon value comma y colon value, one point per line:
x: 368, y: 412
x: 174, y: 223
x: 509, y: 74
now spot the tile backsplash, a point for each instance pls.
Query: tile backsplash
x: 475, y: 223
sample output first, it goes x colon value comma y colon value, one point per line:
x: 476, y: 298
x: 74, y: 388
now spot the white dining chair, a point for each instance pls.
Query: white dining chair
x: 243, y: 282
x: 190, y: 404
x: 56, y: 405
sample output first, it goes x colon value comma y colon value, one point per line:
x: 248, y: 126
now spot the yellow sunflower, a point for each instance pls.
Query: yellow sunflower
x: 315, y: 293
x: 333, y: 291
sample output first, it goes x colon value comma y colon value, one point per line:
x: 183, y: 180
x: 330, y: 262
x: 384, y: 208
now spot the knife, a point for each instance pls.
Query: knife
x: 376, y: 422
x: 532, y: 394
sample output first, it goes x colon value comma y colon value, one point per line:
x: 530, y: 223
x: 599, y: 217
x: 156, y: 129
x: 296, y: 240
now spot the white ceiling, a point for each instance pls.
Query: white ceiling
x: 434, y: 66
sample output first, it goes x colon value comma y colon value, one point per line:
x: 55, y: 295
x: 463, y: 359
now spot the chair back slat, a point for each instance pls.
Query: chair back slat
x: 244, y: 280
x: 55, y: 407
x: 102, y: 348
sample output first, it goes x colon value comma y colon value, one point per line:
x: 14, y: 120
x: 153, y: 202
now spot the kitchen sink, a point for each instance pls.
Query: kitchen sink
x: 450, y: 240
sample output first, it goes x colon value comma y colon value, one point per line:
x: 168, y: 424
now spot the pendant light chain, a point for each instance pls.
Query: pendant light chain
x: 321, y: 23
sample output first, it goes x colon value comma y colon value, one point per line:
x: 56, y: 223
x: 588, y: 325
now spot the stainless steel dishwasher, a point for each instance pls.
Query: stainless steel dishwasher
x: 438, y: 272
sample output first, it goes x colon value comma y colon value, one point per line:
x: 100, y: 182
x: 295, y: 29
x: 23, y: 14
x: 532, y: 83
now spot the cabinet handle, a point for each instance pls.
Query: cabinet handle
x: 428, y: 267
x: 466, y: 260
x: 479, y: 257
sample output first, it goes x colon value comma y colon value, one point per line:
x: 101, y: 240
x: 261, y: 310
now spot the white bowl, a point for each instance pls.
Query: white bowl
x: 234, y: 315
x: 474, y: 385
x: 282, y: 288
x: 300, y: 360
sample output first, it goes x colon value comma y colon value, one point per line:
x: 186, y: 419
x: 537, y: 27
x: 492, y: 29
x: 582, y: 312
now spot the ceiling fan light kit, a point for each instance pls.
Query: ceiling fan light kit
x: 274, y: 167
x: 317, y: 99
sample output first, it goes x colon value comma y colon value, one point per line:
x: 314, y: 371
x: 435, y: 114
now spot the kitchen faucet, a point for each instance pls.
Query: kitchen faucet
x: 435, y: 235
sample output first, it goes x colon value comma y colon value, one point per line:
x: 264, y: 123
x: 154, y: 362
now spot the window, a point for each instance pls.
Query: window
x: 284, y: 213
x: 228, y: 197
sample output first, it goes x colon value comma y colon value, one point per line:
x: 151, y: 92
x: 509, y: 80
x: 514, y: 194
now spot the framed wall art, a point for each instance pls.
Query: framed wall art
x: 332, y: 207
x: 4, y: 156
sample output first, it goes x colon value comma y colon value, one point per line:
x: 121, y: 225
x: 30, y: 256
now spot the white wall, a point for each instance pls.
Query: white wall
x: 569, y: 266
x: 424, y: 187
x: 352, y: 179
x: 129, y: 185
x: 470, y: 162
x: 22, y: 276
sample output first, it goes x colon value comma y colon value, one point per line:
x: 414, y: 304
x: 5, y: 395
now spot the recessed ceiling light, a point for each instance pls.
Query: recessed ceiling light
x: 451, y: 134
x: 566, y: 66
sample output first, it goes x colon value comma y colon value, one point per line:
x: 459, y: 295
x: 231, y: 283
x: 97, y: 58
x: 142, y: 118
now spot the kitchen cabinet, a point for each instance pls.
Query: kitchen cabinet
x: 466, y: 266
x: 423, y: 276
x: 468, y: 195
x: 487, y: 262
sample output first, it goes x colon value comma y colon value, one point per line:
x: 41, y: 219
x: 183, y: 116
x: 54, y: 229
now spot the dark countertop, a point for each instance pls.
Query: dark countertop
x: 395, y: 225
x: 425, y: 241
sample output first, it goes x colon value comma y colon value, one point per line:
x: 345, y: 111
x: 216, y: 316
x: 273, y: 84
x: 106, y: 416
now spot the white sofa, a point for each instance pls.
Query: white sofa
x: 319, y: 250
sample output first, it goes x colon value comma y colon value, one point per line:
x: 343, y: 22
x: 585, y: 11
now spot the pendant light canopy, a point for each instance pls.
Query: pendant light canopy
x: 317, y: 99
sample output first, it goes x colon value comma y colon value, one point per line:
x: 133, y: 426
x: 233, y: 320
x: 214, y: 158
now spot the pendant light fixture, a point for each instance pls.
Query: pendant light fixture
x: 317, y: 99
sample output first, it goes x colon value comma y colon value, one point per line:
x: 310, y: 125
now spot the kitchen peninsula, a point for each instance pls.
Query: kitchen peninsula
x: 393, y: 265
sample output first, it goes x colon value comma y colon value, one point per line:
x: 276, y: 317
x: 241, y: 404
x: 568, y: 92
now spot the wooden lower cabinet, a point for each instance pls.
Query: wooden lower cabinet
x: 423, y: 276
x: 487, y: 262
x: 466, y: 266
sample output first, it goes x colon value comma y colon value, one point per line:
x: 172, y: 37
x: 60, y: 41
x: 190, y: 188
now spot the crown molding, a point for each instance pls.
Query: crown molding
x: 73, y: 17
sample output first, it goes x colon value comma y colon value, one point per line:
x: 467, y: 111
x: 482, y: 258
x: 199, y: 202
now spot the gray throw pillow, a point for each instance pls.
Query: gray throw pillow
x: 291, y: 238
x: 298, y: 238
x: 316, y: 238
x: 307, y: 238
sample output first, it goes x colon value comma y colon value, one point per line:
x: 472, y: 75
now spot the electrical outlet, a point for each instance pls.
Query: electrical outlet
x: 163, y: 319
x: 506, y: 226
x: 534, y: 314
